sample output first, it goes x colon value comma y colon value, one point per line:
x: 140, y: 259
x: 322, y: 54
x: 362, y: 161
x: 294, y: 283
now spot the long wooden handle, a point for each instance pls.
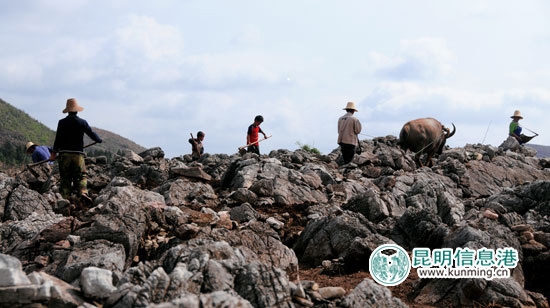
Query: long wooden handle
x: 38, y: 163
x: 240, y: 148
x: 89, y: 145
x: 47, y: 160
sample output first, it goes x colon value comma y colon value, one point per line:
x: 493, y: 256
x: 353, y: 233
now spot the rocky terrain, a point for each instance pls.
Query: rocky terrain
x: 238, y: 231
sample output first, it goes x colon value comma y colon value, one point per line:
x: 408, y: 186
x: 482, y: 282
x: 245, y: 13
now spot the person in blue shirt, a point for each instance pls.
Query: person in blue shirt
x: 39, y: 152
x: 68, y: 148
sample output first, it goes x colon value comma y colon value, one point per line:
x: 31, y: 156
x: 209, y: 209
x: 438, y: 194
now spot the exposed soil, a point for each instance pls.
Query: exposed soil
x: 347, y: 281
x: 350, y: 281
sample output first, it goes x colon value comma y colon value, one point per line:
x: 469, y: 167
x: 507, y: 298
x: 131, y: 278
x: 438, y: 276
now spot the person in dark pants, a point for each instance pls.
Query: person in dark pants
x: 69, y: 151
x: 252, y: 135
x: 348, y: 129
x: 196, y: 146
x: 39, y: 152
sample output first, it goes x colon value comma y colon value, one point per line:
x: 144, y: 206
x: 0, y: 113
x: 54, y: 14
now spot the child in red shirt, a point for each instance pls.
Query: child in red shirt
x: 252, y: 135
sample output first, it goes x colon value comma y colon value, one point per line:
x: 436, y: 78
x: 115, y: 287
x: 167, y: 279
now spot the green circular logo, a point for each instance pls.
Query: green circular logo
x: 389, y: 265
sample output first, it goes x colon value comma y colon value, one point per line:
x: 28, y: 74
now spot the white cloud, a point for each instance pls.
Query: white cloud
x: 145, y: 38
x: 140, y: 53
x: 392, y: 104
x: 20, y: 71
x: 155, y: 72
x: 250, y: 35
x: 419, y: 59
x: 62, y: 6
x: 233, y: 70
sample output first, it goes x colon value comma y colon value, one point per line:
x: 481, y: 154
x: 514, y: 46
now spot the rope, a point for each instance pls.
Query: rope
x: 367, y: 135
x: 442, y: 133
x: 482, y: 142
x: 530, y: 131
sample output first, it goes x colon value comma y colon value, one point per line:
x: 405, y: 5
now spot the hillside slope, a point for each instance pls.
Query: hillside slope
x: 113, y: 142
x: 17, y: 128
x: 542, y: 150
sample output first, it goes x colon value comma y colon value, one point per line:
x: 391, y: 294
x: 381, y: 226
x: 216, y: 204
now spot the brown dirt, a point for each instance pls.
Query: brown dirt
x: 350, y: 281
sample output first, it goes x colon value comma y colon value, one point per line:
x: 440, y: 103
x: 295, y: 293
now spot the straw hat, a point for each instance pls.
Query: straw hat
x: 351, y: 105
x: 517, y: 114
x: 72, y: 106
x: 29, y: 145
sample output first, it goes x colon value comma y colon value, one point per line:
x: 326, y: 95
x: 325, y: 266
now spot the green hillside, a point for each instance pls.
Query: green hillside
x: 17, y: 128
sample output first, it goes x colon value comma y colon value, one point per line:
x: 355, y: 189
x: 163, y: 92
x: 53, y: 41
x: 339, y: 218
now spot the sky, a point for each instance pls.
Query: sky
x: 155, y: 71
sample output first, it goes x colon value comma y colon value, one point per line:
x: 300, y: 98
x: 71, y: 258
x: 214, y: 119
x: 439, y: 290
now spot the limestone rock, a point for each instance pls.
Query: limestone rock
x: 347, y: 236
x: 370, y: 294
x: 192, y: 172
x: 97, y: 282
x: 97, y: 253
x: 332, y: 292
x: 243, y: 213
x: 23, y: 202
x: 11, y: 273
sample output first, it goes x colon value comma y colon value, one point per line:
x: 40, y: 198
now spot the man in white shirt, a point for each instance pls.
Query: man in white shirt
x: 348, y: 129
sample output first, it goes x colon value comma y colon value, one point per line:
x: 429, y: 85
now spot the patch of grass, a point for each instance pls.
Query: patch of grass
x: 308, y: 148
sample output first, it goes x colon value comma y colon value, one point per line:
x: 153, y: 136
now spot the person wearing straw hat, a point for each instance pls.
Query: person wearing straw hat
x: 38, y: 152
x: 69, y: 144
x: 348, y: 129
x: 515, y: 127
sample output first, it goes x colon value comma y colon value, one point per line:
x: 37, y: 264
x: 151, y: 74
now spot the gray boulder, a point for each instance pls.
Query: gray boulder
x: 186, y: 193
x: 6, y: 186
x: 370, y: 294
x: 191, y: 172
x: 45, y: 290
x: 133, y: 157
x: 374, y: 205
x: 466, y: 292
x: 98, y: 253
x: 262, y: 244
x: 218, y: 299
x: 243, y: 213
x: 419, y: 228
x: 38, y: 178
x: 14, y: 233
x: 11, y: 272
x: 532, y: 196
x: 347, y: 236
x: 243, y: 195
x: 97, y: 282
x: 155, y: 153
x: 263, y: 286
x: 121, y: 216
x: 201, y: 266
x: 23, y: 202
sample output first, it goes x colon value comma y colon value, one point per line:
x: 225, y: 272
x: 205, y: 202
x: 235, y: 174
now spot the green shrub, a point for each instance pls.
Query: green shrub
x: 308, y: 148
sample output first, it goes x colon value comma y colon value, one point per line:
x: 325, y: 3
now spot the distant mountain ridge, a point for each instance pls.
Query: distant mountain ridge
x: 542, y: 150
x: 17, y: 128
x: 113, y: 142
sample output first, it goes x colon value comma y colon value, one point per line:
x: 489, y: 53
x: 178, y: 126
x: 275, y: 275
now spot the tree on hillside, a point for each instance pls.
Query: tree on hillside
x: 13, y: 155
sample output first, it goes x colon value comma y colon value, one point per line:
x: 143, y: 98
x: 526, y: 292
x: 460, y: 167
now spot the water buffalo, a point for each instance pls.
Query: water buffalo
x: 426, y: 135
